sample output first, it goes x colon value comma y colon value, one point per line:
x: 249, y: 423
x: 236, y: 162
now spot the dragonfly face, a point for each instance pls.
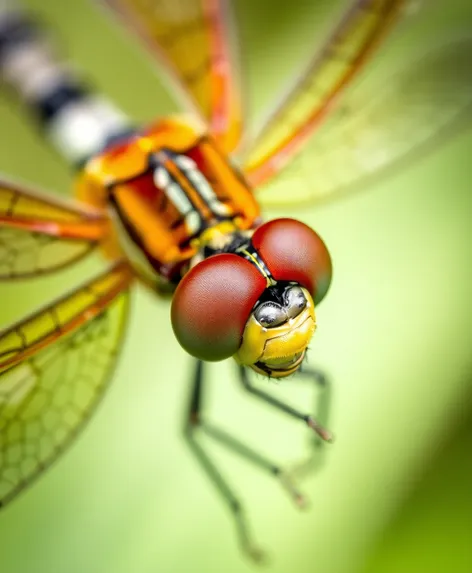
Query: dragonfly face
x: 255, y: 302
x: 278, y: 331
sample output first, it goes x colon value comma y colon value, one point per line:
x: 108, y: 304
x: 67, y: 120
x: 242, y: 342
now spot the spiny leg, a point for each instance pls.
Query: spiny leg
x: 192, y: 423
x: 235, y: 445
x: 195, y: 421
x: 311, y: 422
x: 322, y: 407
x: 261, y: 461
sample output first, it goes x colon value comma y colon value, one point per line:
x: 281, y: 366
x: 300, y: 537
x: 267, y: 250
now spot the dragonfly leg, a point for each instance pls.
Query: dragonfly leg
x: 309, y: 420
x: 322, y: 385
x: 195, y: 421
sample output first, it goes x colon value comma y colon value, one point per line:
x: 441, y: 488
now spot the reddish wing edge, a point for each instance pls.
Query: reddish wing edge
x: 52, y: 232
x: 55, y: 366
x: 104, y: 288
x: 261, y: 170
x: 224, y: 99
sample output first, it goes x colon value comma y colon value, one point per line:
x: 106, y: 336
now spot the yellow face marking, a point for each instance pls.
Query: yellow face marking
x: 281, y: 344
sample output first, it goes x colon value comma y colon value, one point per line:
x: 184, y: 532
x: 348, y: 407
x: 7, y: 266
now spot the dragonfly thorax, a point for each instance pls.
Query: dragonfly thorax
x: 170, y: 192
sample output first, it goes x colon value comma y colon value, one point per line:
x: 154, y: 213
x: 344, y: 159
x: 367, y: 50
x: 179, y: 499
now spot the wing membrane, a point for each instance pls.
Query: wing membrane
x: 54, y: 368
x: 40, y: 234
x: 191, y: 38
x: 378, y: 128
x: 312, y: 98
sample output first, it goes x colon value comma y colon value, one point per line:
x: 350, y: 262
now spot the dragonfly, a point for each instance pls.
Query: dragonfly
x: 176, y: 206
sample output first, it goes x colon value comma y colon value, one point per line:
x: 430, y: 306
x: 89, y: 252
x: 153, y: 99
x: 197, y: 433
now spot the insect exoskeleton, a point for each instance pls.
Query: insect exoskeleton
x: 257, y: 303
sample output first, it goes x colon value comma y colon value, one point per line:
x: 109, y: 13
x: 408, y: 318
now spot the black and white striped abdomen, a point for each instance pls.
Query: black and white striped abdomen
x: 77, y: 122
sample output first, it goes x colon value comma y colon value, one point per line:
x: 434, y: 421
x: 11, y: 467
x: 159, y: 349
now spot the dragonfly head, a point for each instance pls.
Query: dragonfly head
x: 257, y: 305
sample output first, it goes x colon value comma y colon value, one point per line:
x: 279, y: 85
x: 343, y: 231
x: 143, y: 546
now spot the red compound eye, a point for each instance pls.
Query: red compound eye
x: 294, y: 252
x: 212, y: 304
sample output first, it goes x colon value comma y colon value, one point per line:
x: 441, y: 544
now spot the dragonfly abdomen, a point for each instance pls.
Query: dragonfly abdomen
x: 78, y: 122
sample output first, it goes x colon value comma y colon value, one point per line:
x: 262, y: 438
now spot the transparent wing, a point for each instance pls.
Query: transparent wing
x: 353, y: 40
x: 40, y: 234
x: 191, y: 38
x: 54, y: 368
x: 376, y: 129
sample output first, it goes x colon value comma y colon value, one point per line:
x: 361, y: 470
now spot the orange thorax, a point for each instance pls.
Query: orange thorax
x: 163, y: 188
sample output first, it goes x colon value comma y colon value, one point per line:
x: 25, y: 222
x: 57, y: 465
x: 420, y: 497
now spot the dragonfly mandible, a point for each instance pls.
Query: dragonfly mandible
x: 167, y: 206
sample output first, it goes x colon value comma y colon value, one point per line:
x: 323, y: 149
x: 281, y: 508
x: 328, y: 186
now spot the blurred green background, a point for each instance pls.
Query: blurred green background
x: 393, y: 494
